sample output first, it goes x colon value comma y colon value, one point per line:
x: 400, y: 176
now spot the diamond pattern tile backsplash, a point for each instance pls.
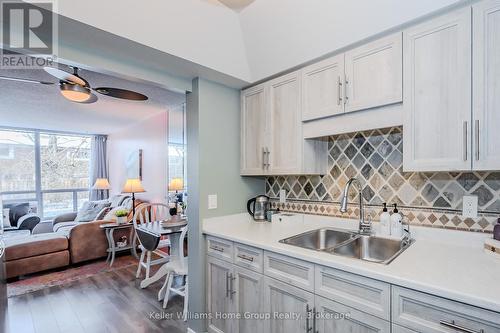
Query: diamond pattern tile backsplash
x: 376, y: 158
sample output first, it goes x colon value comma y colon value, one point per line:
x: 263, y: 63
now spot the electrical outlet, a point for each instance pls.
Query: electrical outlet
x: 282, y: 196
x: 212, y: 201
x: 469, y: 208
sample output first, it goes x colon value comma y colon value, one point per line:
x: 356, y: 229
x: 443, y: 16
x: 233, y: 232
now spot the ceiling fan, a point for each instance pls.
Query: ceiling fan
x: 76, y: 89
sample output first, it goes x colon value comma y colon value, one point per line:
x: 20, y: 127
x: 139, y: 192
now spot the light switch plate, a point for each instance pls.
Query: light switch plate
x: 469, y: 208
x: 212, y: 201
x: 282, y: 196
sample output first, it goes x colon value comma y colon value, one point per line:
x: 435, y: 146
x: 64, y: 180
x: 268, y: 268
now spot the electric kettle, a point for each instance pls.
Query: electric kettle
x: 258, y: 207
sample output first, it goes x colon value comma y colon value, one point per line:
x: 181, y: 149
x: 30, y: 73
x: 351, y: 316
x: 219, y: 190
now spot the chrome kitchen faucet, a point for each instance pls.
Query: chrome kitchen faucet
x: 365, y: 228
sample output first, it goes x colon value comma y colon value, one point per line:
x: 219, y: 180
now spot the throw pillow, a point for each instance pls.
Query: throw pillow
x: 6, y: 220
x: 116, y: 200
x: 90, y: 210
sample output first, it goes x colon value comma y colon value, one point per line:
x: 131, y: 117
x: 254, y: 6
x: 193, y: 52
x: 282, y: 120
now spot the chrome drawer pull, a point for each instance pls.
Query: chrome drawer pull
x: 452, y: 325
x: 216, y: 248
x: 244, y: 257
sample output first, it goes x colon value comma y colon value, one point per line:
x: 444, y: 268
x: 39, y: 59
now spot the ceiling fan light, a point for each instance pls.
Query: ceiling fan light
x: 74, y: 92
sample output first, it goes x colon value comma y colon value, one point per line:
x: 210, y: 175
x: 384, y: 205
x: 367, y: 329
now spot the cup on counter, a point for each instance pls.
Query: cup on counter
x: 270, y: 213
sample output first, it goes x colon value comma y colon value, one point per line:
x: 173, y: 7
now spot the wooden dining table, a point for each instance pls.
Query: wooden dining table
x: 150, y: 234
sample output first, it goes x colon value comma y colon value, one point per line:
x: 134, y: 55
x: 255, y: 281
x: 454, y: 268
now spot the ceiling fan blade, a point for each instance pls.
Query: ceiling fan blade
x: 18, y: 79
x: 121, y: 93
x: 65, y: 76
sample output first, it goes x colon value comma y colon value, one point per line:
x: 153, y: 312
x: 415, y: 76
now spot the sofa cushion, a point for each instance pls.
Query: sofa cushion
x: 35, y: 264
x: 34, y: 245
x: 90, y: 210
x: 63, y: 225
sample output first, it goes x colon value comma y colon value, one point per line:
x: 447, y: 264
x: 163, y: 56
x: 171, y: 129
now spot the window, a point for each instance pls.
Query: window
x: 49, y: 170
x: 177, y: 143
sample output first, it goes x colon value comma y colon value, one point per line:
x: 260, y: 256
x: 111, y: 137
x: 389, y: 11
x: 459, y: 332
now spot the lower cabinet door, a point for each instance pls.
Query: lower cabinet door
x: 219, y: 297
x: 248, y: 300
x: 290, y: 308
x: 331, y: 316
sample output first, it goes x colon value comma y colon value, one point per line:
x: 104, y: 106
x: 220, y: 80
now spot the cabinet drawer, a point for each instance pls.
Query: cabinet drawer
x: 290, y: 270
x: 248, y: 257
x: 335, y: 317
x: 401, y: 329
x: 220, y: 248
x: 365, y: 294
x: 426, y: 313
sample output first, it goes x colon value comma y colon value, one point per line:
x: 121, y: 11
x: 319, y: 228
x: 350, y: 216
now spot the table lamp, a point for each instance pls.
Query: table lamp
x: 101, y: 184
x: 133, y: 185
x: 176, y: 184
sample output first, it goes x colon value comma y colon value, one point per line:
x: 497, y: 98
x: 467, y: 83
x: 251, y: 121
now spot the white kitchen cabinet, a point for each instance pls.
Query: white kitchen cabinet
x: 373, y: 74
x: 248, y: 300
x: 254, y: 122
x: 437, y: 94
x: 486, y: 85
x: 335, y: 317
x: 428, y: 313
x: 284, y: 299
x: 322, y: 87
x: 286, y: 136
x: 219, y: 295
x: 271, y: 120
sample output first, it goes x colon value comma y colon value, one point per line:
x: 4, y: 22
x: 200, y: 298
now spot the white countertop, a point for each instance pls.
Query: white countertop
x: 446, y: 263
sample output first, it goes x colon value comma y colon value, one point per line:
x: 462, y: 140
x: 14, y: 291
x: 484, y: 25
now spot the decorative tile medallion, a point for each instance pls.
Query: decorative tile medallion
x: 376, y: 159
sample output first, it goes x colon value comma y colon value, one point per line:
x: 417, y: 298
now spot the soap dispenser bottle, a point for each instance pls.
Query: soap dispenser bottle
x: 385, y: 221
x: 396, y: 223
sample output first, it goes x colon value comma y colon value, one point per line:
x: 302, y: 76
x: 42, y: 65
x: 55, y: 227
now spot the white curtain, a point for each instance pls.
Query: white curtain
x: 98, y: 166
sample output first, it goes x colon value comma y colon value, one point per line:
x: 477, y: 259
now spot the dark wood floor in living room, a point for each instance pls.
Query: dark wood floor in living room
x: 107, y: 302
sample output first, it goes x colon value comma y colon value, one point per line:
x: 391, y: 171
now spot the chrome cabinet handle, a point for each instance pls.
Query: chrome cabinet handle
x: 452, y: 325
x: 308, y: 312
x: 268, y: 163
x: 231, y: 286
x: 339, y: 91
x: 346, y: 98
x: 465, y: 138
x: 216, y: 248
x: 244, y: 257
x: 314, y: 321
x: 263, y: 157
x: 477, y: 139
x: 227, y: 284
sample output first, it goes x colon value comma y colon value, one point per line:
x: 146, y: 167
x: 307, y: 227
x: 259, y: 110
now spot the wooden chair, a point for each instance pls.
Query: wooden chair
x: 144, y: 214
x: 178, y: 266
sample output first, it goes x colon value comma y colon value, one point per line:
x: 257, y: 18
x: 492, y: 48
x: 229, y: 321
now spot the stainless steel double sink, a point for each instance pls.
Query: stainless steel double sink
x: 350, y: 244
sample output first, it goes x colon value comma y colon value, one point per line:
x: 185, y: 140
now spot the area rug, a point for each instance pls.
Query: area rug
x: 43, y: 280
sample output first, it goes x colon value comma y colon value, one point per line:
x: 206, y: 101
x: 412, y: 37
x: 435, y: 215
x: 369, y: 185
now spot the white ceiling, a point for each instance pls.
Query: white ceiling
x: 30, y: 105
x: 249, y: 40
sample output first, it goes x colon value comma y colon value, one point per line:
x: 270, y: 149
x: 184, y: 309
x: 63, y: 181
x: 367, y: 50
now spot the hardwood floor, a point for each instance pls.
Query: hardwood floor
x: 107, y: 302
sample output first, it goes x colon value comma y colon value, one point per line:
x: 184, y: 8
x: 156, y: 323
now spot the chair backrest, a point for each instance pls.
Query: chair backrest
x: 182, y: 254
x: 150, y: 212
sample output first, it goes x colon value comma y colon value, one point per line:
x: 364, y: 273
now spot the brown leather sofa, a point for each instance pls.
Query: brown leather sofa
x: 41, y: 252
x: 69, y: 243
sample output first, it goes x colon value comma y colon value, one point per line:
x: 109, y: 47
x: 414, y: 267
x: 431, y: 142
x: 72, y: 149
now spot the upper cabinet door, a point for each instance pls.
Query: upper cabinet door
x: 373, y: 74
x: 254, y: 113
x: 486, y: 83
x: 437, y: 94
x: 322, y: 88
x: 286, y: 128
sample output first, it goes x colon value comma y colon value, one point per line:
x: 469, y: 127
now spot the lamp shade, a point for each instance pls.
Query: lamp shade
x: 101, y: 184
x: 133, y: 185
x: 176, y: 184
